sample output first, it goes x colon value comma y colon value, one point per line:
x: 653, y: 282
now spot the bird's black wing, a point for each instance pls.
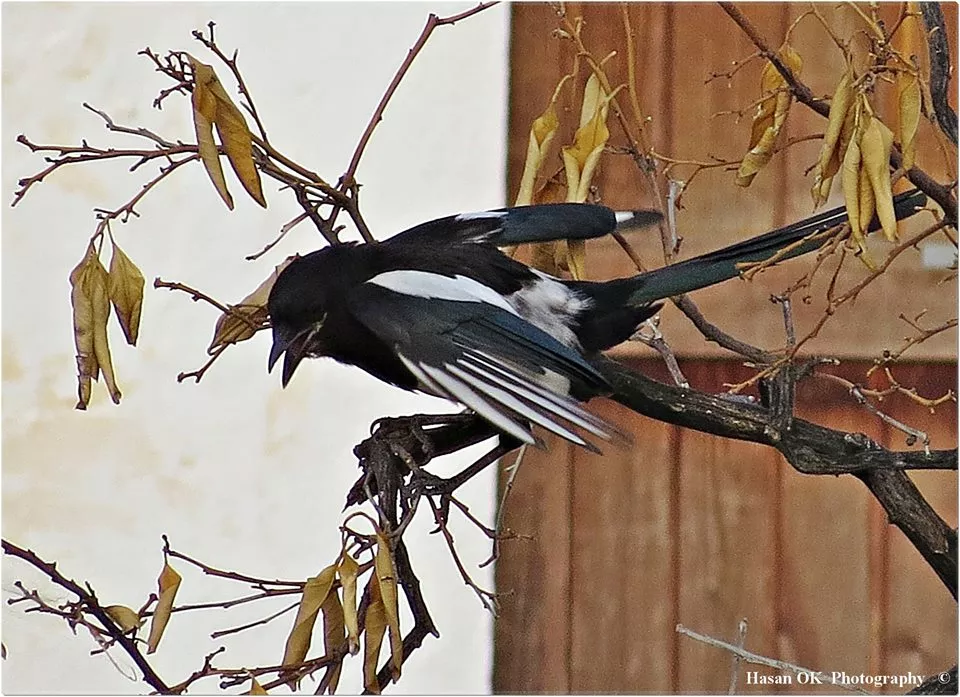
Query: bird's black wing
x: 486, y: 358
x: 522, y: 224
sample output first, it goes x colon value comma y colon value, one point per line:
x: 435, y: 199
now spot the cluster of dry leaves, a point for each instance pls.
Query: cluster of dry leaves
x: 332, y: 593
x: 856, y: 144
x: 94, y: 288
x: 580, y: 161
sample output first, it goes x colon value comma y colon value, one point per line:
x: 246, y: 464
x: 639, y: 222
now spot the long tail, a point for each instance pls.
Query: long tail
x: 708, y: 269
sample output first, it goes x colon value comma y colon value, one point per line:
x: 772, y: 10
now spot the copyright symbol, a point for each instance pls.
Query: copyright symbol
x: 944, y: 678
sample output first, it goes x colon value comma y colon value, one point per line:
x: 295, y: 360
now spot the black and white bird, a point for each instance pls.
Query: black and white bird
x: 440, y: 309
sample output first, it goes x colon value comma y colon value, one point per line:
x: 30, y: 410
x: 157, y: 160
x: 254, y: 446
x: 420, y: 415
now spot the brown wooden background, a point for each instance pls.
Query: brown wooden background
x: 683, y: 527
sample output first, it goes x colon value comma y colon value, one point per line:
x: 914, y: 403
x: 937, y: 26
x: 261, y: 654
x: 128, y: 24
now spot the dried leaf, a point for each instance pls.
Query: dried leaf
x: 580, y: 159
x: 374, y: 629
x: 91, y: 311
x: 387, y: 578
x: 204, y: 115
x: 347, y: 571
x: 875, y: 146
x: 580, y: 162
x: 542, y: 131
x: 315, y: 592
x: 256, y: 688
x: 125, y: 618
x: 87, y: 367
x: 866, y: 207
x: 334, y: 633
x: 850, y: 180
x: 250, y: 312
x: 237, y: 141
x: 126, y: 293
x: 169, y: 583
x: 770, y: 117
x: 830, y: 154
x: 909, y: 105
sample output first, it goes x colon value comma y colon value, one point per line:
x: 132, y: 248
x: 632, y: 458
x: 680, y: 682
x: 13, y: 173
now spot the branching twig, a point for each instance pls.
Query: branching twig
x: 757, y: 659
x: 89, y: 601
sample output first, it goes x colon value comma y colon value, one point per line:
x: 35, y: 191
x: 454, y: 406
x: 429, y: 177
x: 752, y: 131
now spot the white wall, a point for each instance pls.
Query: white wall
x: 236, y: 471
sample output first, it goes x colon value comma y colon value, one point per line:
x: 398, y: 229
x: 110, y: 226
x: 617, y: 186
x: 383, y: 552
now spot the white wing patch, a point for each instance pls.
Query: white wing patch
x: 509, y: 398
x: 481, y: 214
x: 551, y: 306
x: 424, y: 284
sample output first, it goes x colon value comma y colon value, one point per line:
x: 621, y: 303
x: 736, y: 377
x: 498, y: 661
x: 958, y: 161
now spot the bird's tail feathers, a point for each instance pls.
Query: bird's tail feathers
x: 790, y: 241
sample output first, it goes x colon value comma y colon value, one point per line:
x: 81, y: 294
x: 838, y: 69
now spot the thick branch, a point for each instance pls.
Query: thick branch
x: 810, y: 449
x: 940, y: 68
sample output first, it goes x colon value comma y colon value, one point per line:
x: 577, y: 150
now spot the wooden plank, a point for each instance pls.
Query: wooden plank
x: 827, y: 580
x: 920, y: 632
x: 532, y: 633
x: 622, y: 562
x: 727, y: 544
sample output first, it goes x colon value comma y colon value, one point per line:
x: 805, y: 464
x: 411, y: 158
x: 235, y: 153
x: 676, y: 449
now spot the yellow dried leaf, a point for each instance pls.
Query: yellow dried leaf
x: 577, y: 259
x: 237, y: 141
x: 252, y: 311
x: 125, y: 618
x: 875, y: 146
x: 91, y: 311
x: 347, y: 571
x: 865, y: 209
x: 909, y: 105
x: 387, y: 579
x: 87, y: 367
x: 910, y: 39
x: 315, y: 592
x: 204, y: 113
x: 169, y: 583
x: 594, y: 100
x: 334, y: 633
x: 256, y: 688
x: 829, y: 160
x: 126, y: 293
x: 580, y: 159
x: 760, y: 154
x: 542, y: 131
x: 850, y: 180
x: 770, y: 117
x: 374, y: 629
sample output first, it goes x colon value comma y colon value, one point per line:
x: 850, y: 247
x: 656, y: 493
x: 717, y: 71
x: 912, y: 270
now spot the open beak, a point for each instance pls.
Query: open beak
x: 292, y: 347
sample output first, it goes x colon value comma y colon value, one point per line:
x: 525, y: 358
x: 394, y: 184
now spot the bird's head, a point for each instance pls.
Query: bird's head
x: 297, y: 313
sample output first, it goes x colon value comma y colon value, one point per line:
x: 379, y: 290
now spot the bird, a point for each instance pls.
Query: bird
x: 440, y: 309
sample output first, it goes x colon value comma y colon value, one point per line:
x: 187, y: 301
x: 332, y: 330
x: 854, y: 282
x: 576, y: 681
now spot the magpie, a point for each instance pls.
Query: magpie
x: 440, y: 309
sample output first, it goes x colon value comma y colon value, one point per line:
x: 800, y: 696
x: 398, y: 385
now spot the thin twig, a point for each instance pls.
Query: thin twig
x: 736, y: 658
x: 757, y: 659
x: 488, y: 599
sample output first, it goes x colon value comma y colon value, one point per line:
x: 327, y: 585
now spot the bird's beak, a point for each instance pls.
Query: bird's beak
x: 292, y: 347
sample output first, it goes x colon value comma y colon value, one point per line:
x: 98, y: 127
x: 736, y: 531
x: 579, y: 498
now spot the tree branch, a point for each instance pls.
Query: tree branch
x: 940, y: 68
x: 810, y: 449
x: 90, y: 602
